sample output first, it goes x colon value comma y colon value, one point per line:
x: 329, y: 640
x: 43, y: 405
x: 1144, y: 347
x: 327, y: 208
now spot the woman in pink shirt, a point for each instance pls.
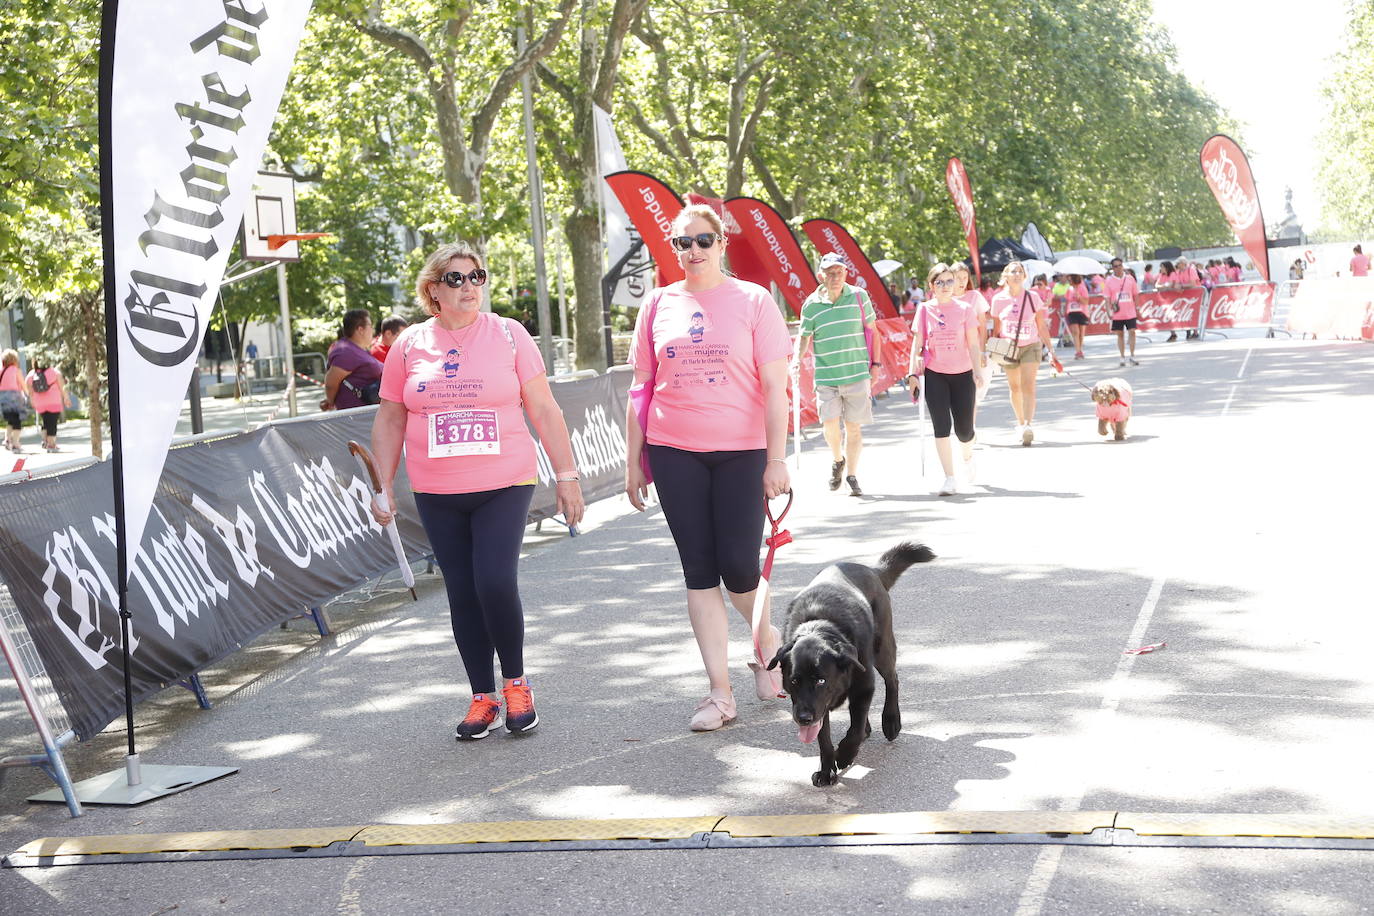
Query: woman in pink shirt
x: 1076, y: 312
x: 944, y: 351
x: 1018, y: 313
x: 1359, y: 264
x: 49, y: 400
x: 982, y: 308
x: 14, y: 400
x: 453, y: 389
x: 716, y: 349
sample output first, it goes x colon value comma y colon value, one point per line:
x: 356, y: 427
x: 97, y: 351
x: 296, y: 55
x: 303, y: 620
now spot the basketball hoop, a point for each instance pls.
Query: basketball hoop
x: 276, y: 241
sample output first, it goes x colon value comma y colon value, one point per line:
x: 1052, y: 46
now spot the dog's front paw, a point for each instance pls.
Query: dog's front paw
x: 826, y: 776
x: 892, y: 724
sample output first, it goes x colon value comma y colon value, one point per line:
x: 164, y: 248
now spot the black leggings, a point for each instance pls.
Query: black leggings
x: 951, y: 396
x: 713, y: 502
x: 476, y: 540
x: 15, y: 419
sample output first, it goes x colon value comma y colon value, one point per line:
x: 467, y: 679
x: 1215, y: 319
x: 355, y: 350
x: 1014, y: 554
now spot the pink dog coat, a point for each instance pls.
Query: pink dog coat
x: 1121, y: 410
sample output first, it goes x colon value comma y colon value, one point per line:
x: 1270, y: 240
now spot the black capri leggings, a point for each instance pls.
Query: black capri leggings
x: 951, y: 397
x: 476, y: 540
x: 713, y: 502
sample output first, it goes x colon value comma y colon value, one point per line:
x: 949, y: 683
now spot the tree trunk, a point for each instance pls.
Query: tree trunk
x: 583, y: 231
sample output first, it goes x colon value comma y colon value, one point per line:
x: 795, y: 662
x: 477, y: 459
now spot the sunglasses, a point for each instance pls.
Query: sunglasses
x: 703, y: 241
x: 944, y: 283
x: 455, y: 279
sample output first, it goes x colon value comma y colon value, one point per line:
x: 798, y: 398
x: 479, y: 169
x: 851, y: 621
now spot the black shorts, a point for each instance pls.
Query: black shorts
x: 1124, y: 324
x: 15, y: 419
x: 1077, y: 318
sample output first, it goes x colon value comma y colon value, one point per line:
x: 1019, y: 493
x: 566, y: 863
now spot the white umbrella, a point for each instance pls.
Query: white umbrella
x: 1035, y: 267
x: 886, y: 267
x: 1097, y: 254
x: 1077, y: 264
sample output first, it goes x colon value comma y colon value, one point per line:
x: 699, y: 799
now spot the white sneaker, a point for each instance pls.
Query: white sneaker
x: 1027, y: 436
x: 949, y: 487
x: 1122, y: 364
x: 970, y: 469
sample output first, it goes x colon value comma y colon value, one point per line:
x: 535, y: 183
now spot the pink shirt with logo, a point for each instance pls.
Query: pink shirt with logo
x: 49, y: 401
x: 1122, y: 291
x: 1077, y: 298
x: 708, y: 393
x: 1359, y: 265
x: 944, y: 330
x: 1008, y: 309
x: 432, y: 371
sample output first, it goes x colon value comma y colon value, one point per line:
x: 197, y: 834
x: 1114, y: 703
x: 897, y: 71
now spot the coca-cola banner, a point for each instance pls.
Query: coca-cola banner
x: 651, y: 206
x: 1228, y: 175
x: 764, y: 230
x: 961, y: 192
x: 1170, y: 310
x: 830, y: 237
x: 744, y: 262
x: 1245, y: 305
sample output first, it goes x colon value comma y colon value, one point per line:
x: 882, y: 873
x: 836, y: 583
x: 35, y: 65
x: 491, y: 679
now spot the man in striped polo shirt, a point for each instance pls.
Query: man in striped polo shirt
x: 833, y: 319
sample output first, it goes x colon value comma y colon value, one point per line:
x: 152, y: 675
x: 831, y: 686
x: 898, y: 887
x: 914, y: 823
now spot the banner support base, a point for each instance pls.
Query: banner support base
x: 155, y: 781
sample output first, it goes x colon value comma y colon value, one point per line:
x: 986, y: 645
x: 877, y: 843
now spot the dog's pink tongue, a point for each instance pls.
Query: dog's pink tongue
x: 808, y: 733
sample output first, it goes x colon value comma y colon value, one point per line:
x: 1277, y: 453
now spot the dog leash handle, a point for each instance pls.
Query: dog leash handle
x: 777, y: 538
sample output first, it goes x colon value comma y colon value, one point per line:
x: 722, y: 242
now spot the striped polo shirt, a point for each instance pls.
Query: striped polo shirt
x: 838, y: 332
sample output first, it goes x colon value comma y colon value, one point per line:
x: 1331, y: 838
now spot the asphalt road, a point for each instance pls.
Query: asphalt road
x: 1232, y: 525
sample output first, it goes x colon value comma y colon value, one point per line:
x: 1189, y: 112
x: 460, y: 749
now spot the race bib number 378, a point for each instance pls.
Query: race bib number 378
x: 454, y: 433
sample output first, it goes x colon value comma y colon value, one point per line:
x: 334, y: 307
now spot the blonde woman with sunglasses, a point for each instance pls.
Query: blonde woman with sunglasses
x: 716, y: 350
x: 455, y: 391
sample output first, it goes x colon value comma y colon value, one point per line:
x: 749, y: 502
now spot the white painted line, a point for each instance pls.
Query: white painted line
x: 1245, y: 362
x: 1042, y: 873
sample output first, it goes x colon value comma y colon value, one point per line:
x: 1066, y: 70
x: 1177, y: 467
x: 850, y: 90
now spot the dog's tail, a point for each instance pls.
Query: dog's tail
x: 895, y: 561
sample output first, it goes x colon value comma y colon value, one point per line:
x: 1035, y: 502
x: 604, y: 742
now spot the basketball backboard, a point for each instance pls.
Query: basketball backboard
x: 270, y: 211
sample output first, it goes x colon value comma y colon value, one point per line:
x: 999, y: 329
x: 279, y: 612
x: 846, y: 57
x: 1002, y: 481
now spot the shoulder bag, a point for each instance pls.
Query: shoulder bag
x: 1005, y: 349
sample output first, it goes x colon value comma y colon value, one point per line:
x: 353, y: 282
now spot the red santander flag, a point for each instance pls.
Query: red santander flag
x: 829, y: 236
x: 1228, y: 175
x: 744, y: 261
x: 651, y: 206
x: 961, y: 192
x: 767, y: 233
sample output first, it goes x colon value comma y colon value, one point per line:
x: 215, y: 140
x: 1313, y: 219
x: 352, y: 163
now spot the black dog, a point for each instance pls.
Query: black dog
x: 838, y: 632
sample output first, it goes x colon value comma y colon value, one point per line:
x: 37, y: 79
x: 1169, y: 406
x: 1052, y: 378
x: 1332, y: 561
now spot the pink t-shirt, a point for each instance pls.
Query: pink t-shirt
x: 1122, y: 291
x: 10, y: 377
x: 469, y: 381
x: 1359, y: 265
x: 49, y: 401
x: 1149, y: 278
x: 944, y: 330
x: 1234, y: 273
x: 1008, y: 310
x: 976, y: 301
x: 708, y: 394
x: 1077, y: 298
x: 1186, y: 276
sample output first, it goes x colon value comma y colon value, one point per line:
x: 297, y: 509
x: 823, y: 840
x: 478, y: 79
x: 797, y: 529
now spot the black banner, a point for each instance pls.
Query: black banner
x: 245, y: 531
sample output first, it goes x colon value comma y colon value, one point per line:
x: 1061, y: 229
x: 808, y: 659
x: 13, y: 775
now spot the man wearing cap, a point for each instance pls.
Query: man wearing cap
x: 833, y: 319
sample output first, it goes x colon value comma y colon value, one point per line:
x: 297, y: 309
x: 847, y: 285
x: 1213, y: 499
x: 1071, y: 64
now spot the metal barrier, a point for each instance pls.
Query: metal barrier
x: 40, y: 698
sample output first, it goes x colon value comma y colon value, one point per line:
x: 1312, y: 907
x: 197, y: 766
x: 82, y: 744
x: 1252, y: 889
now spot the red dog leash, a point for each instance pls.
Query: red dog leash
x: 774, y: 541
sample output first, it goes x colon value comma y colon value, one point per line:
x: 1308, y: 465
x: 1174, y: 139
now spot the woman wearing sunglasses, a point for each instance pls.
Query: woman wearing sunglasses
x: 716, y: 349
x: 1018, y: 314
x: 452, y: 392
x: 946, y: 355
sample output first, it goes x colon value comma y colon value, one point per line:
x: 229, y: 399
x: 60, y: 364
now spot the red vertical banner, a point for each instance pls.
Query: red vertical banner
x: 744, y: 262
x: 767, y: 233
x: 829, y: 236
x: 1228, y: 175
x: 961, y: 192
x: 651, y: 206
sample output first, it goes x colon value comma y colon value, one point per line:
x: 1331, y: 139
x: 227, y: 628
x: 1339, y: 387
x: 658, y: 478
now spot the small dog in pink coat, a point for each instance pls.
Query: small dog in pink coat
x: 1113, y: 397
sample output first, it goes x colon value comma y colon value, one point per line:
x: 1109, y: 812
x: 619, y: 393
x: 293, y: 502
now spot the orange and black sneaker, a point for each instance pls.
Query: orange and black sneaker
x: 481, y: 715
x: 520, y: 714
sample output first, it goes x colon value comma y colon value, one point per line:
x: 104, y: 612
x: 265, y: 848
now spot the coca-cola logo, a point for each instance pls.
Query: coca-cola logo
x: 1239, y: 205
x: 1172, y: 309
x: 958, y: 184
x: 1249, y: 304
